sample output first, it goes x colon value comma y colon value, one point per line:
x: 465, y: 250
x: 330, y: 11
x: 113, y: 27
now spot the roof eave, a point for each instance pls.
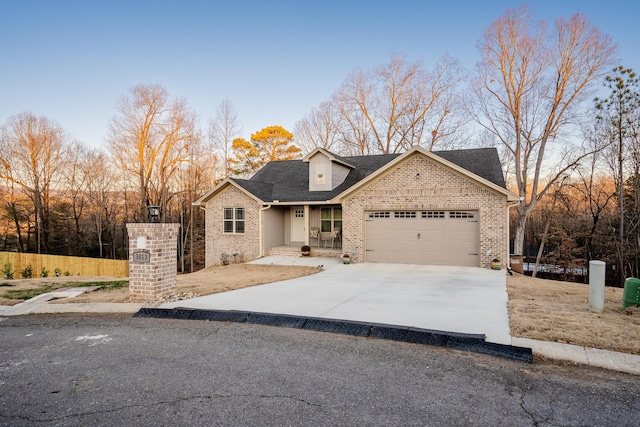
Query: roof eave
x: 510, y: 196
x: 330, y: 155
x: 221, y: 186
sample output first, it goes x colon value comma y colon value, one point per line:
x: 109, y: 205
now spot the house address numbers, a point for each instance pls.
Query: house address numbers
x: 141, y: 256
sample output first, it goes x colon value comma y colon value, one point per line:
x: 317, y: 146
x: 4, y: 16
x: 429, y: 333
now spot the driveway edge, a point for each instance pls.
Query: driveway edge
x: 458, y: 341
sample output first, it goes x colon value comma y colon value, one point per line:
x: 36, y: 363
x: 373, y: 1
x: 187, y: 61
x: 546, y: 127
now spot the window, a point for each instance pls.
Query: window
x: 379, y: 214
x: 234, y: 220
x: 461, y: 215
x: 403, y: 214
x: 330, y: 218
x: 433, y: 214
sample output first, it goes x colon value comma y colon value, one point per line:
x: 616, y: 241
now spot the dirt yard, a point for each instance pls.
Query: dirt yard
x: 559, y: 311
x: 539, y: 309
x: 204, y: 282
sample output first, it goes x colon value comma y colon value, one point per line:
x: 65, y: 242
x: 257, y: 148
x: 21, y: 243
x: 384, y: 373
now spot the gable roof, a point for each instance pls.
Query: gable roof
x: 330, y: 155
x: 483, y: 162
x: 288, y: 181
x: 482, y: 166
x: 290, y: 178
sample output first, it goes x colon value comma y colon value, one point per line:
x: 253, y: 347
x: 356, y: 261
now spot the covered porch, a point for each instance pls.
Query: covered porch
x: 294, y: 251
x: 286, y: 228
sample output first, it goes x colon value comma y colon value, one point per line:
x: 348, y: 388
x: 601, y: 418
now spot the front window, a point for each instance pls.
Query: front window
x: 330, y: 219
x: 234, y: 220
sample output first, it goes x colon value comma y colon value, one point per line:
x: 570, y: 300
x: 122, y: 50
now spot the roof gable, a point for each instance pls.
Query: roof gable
x: 254, y: 190
x: 483, y: 160
x: 330, y: 155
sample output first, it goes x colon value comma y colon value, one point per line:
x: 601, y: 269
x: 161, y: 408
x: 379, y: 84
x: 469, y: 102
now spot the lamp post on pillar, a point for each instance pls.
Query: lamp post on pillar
x: 152, y: 258
x: 154, y: 213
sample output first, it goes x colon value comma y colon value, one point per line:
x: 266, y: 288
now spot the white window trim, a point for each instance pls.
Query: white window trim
x: 234, y: 220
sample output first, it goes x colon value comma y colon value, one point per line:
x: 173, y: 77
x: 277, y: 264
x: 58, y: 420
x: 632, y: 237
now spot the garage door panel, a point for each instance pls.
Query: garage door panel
x: 431, y: 225
x: 441, y: 240
x: 384, y: 235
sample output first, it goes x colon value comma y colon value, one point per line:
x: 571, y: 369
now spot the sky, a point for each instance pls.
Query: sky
x: 71, y: 61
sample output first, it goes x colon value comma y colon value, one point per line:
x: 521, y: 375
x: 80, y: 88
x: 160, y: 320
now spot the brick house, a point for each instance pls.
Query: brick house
x: 419, y: 207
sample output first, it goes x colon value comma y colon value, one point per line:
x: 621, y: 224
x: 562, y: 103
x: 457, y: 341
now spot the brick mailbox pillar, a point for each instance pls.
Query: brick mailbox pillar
x: 153, y: 251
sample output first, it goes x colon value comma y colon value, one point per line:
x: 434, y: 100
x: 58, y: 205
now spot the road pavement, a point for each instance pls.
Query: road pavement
x: 117, y: 370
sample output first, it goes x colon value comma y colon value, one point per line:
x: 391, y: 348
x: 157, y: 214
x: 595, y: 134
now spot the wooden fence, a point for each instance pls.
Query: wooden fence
x: 67, y: 265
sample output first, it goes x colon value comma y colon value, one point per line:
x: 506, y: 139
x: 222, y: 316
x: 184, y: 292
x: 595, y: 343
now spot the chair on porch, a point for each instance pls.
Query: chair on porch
x: 336, y: 236
x: 314, y: 233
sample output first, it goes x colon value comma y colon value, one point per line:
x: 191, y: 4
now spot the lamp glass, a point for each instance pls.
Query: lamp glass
x: 154, y: 213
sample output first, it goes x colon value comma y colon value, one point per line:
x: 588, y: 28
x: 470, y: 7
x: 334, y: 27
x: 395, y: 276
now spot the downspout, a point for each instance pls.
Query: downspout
x: 509, y: 206
x: 262, y: 209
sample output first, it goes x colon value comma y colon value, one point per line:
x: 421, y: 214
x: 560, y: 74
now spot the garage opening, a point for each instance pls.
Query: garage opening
x: 438, y: 237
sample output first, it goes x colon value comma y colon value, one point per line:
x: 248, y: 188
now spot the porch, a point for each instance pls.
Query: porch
x: 287, y: 228
x: 294, y: 251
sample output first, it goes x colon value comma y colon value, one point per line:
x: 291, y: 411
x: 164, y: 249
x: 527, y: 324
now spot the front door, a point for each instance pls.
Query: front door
x: 297, y: 224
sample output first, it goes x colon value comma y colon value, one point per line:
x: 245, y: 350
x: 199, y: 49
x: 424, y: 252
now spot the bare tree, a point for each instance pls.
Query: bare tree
x: 147, y: 138
x: 32, y: 155
x: 75, y: 187
x: 15, y: 206
x: 224, y: 127
x: 322, y: 127
x: 178, y: 134
x: 388, y: 109
x: 529, y: 87
x: 402, y: 104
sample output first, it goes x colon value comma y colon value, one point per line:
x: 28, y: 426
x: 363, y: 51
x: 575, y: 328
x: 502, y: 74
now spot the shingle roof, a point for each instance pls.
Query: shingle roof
x: 288, y: 181
x: 483, y: 162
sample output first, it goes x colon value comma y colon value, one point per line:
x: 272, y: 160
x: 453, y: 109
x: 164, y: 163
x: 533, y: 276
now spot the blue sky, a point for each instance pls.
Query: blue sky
x: 72, y: 60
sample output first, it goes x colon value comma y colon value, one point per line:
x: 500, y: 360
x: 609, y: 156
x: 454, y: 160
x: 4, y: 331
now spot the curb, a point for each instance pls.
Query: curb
x: 466, y: 342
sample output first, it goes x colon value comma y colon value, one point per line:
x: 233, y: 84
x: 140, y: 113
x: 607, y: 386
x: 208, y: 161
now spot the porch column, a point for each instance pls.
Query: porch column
x: 306, y: 225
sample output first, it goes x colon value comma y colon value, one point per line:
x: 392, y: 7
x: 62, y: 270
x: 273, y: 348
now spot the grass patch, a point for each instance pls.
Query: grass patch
x: 25, y: 294
x: 5, y: 284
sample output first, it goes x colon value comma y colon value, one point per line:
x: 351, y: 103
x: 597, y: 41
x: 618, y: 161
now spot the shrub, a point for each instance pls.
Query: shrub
x: 27, y: 272
x: 57, y: 272
x: 44, y: 272
x: 8, y: 271
x: 67, y: 273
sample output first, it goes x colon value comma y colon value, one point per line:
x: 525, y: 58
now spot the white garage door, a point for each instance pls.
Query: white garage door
x: 423, y: 237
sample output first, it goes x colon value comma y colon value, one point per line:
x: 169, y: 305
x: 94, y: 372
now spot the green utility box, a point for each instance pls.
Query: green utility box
x: 631, y: 294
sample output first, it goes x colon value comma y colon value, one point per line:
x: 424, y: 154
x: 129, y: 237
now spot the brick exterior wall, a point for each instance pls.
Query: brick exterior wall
x: 217, y: 242
x: 156, y: 279
x: 436, y: 187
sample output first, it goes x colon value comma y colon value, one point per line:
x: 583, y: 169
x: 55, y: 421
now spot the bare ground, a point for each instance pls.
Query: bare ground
x: 204, y: 282
x: 559, y: 311
x: 539, y: 309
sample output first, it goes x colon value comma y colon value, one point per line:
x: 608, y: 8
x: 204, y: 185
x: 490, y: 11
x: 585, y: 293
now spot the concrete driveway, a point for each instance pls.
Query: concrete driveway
x: 452, y: 299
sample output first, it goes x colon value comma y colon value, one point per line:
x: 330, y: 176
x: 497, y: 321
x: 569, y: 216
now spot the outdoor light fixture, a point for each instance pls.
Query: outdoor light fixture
x: 154, y: 213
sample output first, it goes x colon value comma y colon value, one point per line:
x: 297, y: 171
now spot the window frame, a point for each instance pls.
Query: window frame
x: 333, y: 221
x: 235, y: 217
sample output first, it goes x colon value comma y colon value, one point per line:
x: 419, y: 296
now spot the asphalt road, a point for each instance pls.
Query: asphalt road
x: 72, y: 370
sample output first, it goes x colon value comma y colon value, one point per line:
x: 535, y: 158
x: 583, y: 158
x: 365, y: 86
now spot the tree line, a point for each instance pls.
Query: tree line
x: 553, y: 98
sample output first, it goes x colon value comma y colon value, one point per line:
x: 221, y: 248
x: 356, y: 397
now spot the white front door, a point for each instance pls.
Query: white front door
x: 297, y: 224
